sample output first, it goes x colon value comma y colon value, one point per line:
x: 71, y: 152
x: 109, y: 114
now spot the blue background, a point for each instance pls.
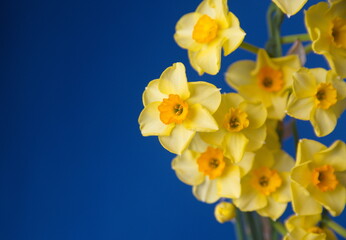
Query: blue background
x: 73, y: 164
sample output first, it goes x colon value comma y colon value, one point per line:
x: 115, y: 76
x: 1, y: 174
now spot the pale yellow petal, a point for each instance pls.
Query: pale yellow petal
x: 283, y: 194
x: 320, y: 74
x: 179, y: 139
x: 290, y: 7
x: 278, y: 108
x: 257, y: 114
x: 214, y: 138
x: 304, y: 84
x: 264, y: 158
x: 150, y: 123
x: 316, y: 21
x: 173, y: 81
x: 301, y: 174
x: 152, y: 93
x: 234, y: 35
x: 184, y: 30
x: 333, y: 201
x: 235, y: 145
x: 300, y: 108
x: 302, y: 202
x: 273, y: 209
x: 186, y: 168
x: 228, y: 183
x: 306, y: 149
x: 250, y: 199
x: 207, y: 191
x: 209, y: 58
x: 199, y: 119
x: 256, y: 138
x: 205, y: 94
x: 323, y: 121
x: 246, y: 163
x: 283, y: 161
x: 197, y: 144
x: 193, y: 62
x: 263, y: 59
x: 337, y: 61
x: 334, y: 156
x: 239, y: 73
x: 216, y: 9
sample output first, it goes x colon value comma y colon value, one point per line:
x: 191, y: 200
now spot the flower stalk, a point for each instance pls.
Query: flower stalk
x: 304, y: 37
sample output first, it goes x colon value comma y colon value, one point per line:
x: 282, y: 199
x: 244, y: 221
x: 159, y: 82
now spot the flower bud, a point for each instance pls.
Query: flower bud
x: 224, y: 212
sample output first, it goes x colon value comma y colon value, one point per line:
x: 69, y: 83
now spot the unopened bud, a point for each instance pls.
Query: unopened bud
x: 224, y: 212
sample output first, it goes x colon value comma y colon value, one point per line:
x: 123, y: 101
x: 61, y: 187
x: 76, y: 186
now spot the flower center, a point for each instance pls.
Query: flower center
x: 235, y: 120
x: 211, y: 162
x: 205, y: 30
x: 173, y: 109
x: 325, y: 95
x: 270, y: 80
x: 266, y: 180
x: 324, y: 178
x: 339, y: 32
x: 316, y: 230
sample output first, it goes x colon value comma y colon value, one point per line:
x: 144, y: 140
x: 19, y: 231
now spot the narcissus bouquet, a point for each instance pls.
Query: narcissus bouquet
x: 229, y: 146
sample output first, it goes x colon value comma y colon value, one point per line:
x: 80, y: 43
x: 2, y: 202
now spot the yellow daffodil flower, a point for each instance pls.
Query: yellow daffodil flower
x: 265, y: 188
x: 290, y: 7
x: 266, y: 80
x: 175, y: 110
x: 319, y: 96
x: 307, y: 227
x: 319, y: 178
x: 205, y: 32
x: 224, y: 212
x: 242, y: 126
x: 210, y: 172
x: 326, y: 25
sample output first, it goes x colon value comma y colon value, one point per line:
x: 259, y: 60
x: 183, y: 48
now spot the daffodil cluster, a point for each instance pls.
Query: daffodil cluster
x: 229, y: 146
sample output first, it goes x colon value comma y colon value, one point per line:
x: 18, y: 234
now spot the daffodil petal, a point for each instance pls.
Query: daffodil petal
x: 238, y: 74
x: 256, y: 113
x: 186, y: 168
x: 302, y: 202
x: 152, y: 93
x: 150, y: 123
x: 228, y: 184
x: 184, y: 30
x: 283, y: 161
x: 333, y: 156
x: 179, y: 139
x: 273, y: 209
x: 235, y: 145
x: 193, y: 62
x: 173, y: 81
x: 278, y: 108
x: 209, y: 58
x: 290, y: 7
x: 333, y: 201
x: 246, y: 163
x: 283, y: 194
x: 216, y: 9
x: 197, y: 144
x: 250, y: 199
x: 214, y: 138
x: 207, y: 191
x: 323, y: 121
x: 304, y: 84
x: 199, y: 119
x: 205, y: 94
x: 338, y: 61
x: 234, y: 35
x: 256, y: 138
x: 306, y: 150
x: 300, y: 108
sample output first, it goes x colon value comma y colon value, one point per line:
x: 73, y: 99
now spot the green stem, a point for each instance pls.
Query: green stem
x: 279, y: 227
x: 239, y: 226
x: 295, y: 134
x: 249, y: 220
x: 292, y: 38
x: 336, y: 227
x: 274, y: 20
x: 249, y: 47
